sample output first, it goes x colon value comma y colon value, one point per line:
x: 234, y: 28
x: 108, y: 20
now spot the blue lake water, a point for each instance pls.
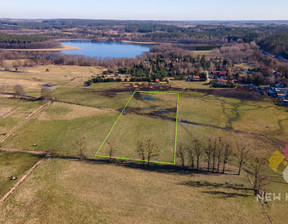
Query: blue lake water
x: 105, y: 49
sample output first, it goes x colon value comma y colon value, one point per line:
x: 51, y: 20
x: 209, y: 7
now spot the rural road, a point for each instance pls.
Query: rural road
x: 26, y: 151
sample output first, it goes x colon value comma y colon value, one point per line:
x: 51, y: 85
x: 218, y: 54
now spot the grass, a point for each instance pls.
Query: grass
x: 16, y: 110
x: 93, y: 97
x: 117, y: 194
x: 59, y: 134
x: 14, y: 164
x: 32, y: 78
x: 131, y: 129
x: 194, y: 85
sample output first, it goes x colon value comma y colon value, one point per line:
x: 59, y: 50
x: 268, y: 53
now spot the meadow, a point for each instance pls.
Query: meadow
x: 133, y: 195
x: 14, y: 164
x: 117, y: 191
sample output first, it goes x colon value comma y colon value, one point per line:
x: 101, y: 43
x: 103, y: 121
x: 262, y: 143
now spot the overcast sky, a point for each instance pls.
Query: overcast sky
x: 147, y: 9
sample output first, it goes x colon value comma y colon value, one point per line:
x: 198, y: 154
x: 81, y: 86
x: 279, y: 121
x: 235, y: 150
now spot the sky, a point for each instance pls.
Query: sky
x: 146, y: 9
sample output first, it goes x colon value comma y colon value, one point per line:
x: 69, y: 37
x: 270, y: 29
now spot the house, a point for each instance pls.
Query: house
x: 285, y: 90
x: 280, y: 93
x: 157, y: 80
x: 195, y: 77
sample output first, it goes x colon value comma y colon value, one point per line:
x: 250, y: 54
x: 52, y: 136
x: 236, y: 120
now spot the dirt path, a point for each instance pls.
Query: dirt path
x: 9, y: 113
x: 11, y: 132
x: 24, y: 150
x: 10, y: 192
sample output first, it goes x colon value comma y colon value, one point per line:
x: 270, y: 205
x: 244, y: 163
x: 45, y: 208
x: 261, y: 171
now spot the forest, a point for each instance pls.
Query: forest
x: 8, y: 41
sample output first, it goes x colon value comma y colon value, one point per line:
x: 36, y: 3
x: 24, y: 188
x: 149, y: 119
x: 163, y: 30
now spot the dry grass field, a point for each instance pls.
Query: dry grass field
x: 69, y: 190
x: 62, y: 191
x: 14, y: 164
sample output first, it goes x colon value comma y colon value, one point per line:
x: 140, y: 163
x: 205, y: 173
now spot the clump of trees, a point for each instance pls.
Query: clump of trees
x: 212, y: 154
x: 46, y: 94
x: 147, y: 150
x: 19, y: 91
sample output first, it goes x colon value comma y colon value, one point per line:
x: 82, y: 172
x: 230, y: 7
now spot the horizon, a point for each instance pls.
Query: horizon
x: 183, y: 10
x: 149, y: 20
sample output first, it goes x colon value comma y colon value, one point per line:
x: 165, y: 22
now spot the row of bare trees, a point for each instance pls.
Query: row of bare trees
x: 214, y: 151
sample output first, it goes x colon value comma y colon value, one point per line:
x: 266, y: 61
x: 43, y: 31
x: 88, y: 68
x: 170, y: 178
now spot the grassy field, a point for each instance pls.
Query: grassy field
x: 107, y: 193
x: 59, y: 126
x: 96, y: 96
x: 184, y: 84
x: 110, y: 193
x: 32, y: 78
x: 14, y: 164
x: 13, y: 111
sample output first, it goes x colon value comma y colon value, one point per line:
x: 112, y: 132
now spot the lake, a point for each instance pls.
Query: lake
x: 104, y: 49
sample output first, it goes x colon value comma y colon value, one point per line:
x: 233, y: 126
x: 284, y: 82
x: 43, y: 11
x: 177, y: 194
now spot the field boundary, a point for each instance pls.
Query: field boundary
x: 14, y: 188
x: 140, y: 160
x: 34, y: 113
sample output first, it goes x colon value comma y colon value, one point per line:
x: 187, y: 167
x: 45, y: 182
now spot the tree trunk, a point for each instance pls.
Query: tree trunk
x: 239, y: 170
x: 198, y: 163
x: 192, y: 162
x: 223, y: 170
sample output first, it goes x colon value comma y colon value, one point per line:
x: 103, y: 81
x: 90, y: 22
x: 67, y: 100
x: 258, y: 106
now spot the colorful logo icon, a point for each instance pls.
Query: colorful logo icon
x: 277, y: 159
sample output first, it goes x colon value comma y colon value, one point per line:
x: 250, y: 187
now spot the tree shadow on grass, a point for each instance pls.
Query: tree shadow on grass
x: 159, y: 168
x: 215, y: 185
x: 224, y: 195
x: 236, y: 187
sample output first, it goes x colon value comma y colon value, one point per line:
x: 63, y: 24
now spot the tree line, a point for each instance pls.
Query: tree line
x: 8, y: 41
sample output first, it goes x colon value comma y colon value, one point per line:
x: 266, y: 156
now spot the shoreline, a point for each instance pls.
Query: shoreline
x: 123, y: 41
x: 64, y: 48
x: 136, y: 42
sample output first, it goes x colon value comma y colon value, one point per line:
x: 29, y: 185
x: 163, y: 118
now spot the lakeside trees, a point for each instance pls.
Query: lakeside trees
x: 9, y: 41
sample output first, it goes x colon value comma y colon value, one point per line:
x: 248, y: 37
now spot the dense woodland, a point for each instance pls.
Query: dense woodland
x: 8, y: 41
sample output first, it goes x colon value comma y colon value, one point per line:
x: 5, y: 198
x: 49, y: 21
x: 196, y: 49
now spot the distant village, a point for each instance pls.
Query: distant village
x: 266, y: 85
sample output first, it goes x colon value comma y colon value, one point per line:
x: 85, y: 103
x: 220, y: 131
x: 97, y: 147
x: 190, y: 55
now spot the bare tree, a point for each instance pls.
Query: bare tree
x: 198, y: 148
x: 243, y: 155
x: 46, y: 94
x: 19, y: 91
x: 219, y: 152
x: 181, y: 154
x: 7, y: 66
x: 190, y: 150
x: 214, y: 153
x: 152, y: 149
x: 147, y: 150
x: 259, y: 177
x: 111, y: 148
x: 141, y: 150
x: 81, y: 145
x: 226, y: 153
x: 208, y: 151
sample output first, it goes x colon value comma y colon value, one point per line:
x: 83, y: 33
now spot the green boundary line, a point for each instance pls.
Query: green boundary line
x: 139, y: 160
